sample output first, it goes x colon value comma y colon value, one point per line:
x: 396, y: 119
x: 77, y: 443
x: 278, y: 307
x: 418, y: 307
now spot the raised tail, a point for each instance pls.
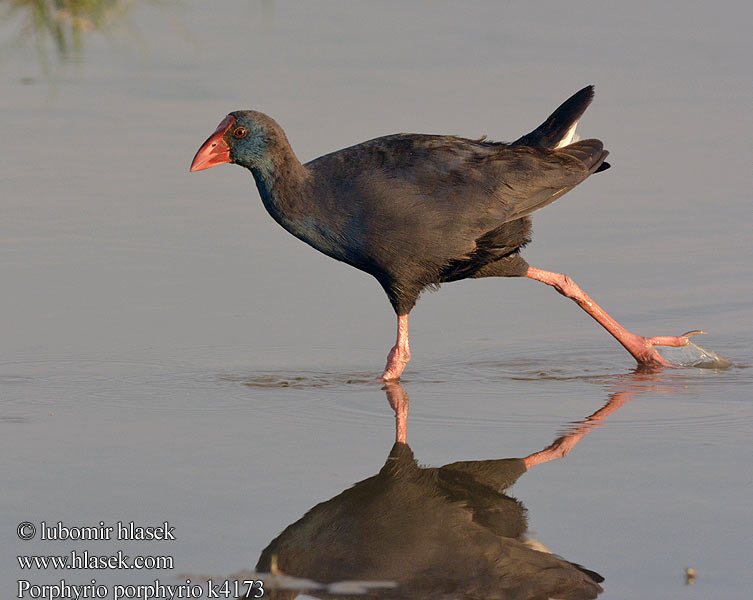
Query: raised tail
x: 590, y: 153
x: 559, y: 129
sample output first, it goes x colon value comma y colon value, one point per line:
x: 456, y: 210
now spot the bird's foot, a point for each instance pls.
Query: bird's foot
x: 644, y: 351
x: 396, y: 361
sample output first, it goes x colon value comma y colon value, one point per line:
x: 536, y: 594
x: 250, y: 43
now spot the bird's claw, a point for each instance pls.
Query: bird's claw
x: 694, y: 332
x: 648, y: 355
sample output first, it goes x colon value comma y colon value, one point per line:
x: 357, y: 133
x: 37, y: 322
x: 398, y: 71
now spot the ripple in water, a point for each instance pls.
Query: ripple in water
x: 300, y: 379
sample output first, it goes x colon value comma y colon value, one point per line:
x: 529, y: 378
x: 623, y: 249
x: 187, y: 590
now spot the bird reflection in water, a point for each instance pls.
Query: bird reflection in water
x: 447, y: 532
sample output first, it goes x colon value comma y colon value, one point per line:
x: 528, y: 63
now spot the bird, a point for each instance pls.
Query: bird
x: 418, y: 210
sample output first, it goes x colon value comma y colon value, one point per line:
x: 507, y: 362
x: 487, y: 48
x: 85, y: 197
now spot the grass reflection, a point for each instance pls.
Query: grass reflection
x: 61, y: 23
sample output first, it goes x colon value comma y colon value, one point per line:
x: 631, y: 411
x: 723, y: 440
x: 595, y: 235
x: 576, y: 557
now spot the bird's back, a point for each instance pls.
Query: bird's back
x: 409, y: 208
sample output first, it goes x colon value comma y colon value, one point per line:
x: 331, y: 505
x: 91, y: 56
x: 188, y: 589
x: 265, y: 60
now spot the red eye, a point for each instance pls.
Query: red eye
x: 240, y: 132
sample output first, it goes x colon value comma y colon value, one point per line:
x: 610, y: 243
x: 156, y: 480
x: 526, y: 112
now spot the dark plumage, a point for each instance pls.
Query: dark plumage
x: 421, y: 210
x: 414, y: 210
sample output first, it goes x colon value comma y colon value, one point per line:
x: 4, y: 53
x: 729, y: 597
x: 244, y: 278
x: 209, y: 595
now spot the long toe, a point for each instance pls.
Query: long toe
x: 646, y: 354
x: 674, y: 340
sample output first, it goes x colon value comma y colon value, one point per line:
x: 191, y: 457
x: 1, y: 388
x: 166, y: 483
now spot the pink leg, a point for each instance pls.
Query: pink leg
x: 561, y: 446
x: 641, y: 348
x: 399, y: 401
x: 400, y: 353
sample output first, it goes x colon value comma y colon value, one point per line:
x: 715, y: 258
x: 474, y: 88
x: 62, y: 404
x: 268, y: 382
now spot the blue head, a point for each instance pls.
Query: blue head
x: 244, y: 137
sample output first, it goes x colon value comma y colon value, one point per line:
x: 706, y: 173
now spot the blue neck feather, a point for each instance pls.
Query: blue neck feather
x: 264, y: 174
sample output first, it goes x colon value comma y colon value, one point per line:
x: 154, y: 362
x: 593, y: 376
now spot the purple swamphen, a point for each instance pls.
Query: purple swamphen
x: 417, y: 210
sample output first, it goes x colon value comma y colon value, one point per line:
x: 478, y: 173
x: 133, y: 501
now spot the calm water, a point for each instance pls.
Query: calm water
x: 168, y: 353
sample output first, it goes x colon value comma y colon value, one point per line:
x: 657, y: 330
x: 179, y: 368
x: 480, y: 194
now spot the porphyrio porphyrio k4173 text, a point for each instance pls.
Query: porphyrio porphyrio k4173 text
x: 418, y: 210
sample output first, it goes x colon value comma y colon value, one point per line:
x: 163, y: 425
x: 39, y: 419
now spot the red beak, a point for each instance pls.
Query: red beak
x: 215, y: 150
